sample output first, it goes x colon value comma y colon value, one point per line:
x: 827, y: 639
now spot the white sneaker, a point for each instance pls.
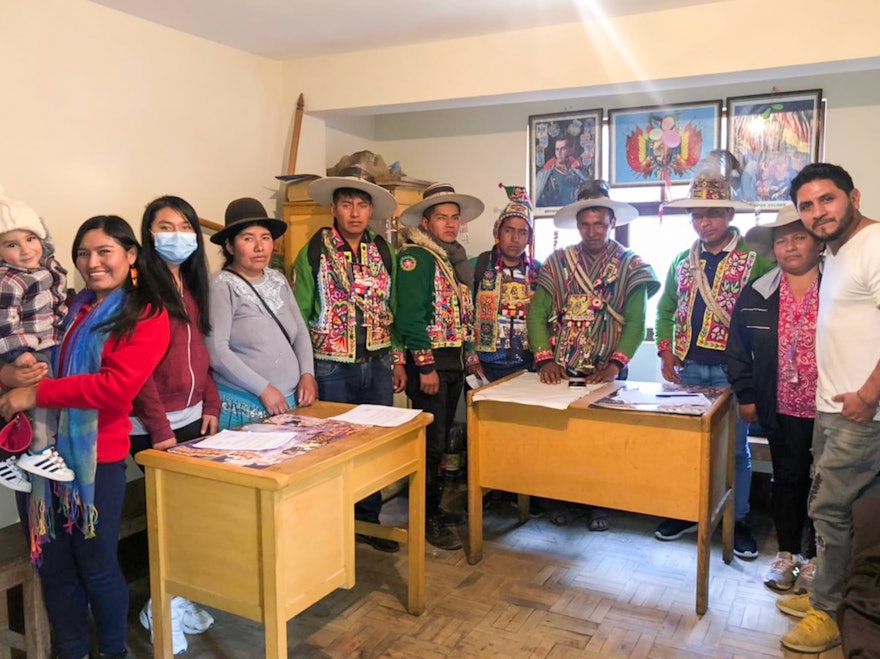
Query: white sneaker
x: 48, y: 464
x: 195, y: 620
x: 806, y: 574
x: 780, y: 576
x: 13, y: 477
x: 179, y: 644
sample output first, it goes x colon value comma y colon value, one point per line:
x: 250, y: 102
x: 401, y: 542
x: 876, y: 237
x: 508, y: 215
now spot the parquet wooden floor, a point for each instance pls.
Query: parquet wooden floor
x: 540, y: 591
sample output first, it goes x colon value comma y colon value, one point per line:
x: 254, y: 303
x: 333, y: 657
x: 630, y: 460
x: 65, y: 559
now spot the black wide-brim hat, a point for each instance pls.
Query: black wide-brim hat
x: 244, y: 212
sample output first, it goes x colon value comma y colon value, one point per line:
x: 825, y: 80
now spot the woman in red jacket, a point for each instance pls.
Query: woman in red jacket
x: 179, y: 401
x: 116, y: 334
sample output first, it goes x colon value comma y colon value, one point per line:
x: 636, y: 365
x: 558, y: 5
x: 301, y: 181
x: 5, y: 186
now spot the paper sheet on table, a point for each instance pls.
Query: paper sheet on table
x: 527, y: 389
x: 641, y: 397
x: 237, y: 440
x: 378, y: 415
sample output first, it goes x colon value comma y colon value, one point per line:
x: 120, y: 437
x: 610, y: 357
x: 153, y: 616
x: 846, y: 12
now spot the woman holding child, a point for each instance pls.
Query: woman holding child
x: 115, y: 335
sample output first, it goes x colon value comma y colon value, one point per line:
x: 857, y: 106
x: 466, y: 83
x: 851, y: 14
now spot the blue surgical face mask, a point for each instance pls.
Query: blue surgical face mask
x: 175, y: 247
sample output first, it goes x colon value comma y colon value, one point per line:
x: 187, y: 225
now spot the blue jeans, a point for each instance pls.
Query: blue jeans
x: 80, y: 574
x: 361, y: 383
x: 846, y: 461
x: 715, y: 375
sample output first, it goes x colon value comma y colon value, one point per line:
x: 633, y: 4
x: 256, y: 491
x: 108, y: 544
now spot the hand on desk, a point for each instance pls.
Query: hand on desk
x: 552, y: 373
x: 606, y: 374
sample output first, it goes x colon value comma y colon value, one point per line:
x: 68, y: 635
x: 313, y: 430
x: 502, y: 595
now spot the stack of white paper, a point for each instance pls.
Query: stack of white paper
x: 527, y: 389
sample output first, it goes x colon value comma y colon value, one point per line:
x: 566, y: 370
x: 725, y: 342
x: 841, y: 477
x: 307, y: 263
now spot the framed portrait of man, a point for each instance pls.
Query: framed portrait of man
x: 564, y: 151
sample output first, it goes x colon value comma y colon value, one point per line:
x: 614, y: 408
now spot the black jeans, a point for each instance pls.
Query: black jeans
x: 80, y: 574
x: 790, y: 445
x: 442, y: 406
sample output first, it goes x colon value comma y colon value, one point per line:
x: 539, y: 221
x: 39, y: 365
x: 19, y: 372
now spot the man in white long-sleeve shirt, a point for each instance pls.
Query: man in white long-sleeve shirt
x: 846, y: 439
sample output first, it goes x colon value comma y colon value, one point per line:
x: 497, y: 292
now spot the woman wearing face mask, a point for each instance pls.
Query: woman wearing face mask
x: 180, y: 400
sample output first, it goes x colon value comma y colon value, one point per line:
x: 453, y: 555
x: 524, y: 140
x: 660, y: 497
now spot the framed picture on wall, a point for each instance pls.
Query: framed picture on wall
x: 774, y: 137
x: 661, y: 145
x: 564, y: 152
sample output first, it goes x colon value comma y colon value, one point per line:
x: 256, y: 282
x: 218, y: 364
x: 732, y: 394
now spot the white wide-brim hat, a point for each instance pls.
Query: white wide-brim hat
x: 760, y: 237
x: 689, y: 202
x: 469, y: 207
x: 566, y: 217
x: 384, y: 204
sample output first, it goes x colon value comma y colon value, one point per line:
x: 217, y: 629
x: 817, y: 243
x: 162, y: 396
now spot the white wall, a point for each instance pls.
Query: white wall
x: 103, y: 112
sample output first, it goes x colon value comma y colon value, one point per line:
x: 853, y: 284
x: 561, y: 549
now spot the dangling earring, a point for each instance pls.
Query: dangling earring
x: 133, y: 273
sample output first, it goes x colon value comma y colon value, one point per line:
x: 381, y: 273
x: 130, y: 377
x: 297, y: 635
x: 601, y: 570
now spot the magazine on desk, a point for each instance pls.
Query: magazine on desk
x: 661, y: 397
x: 287, y: 435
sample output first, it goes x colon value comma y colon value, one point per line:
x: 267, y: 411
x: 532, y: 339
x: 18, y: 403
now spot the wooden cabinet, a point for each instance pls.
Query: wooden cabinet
x: 305, y: 217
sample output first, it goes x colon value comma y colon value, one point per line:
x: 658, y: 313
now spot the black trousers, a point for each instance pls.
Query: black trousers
x: 442, y: 405
x: 790, y: 445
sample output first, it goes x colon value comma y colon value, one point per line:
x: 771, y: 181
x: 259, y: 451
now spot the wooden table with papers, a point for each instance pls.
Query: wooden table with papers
x: 668, y: 465
x: 267, y: 543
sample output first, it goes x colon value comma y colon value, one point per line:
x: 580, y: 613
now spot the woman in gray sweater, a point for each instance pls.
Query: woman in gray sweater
x: 260, y: 349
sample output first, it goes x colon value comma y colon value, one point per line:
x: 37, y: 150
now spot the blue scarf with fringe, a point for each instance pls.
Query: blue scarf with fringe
x: 78, y: 428
x: 77, y: 436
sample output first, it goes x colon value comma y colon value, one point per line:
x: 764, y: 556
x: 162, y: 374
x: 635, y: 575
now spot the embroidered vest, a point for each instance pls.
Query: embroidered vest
x: 501, y: 308
x: 334, y: 330
x: 453, y: 317
x: 732, y: 275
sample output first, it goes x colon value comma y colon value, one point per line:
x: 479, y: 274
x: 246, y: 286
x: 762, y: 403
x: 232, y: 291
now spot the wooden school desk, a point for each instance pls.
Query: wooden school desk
x: 667, y: 465
x: 266, y: 544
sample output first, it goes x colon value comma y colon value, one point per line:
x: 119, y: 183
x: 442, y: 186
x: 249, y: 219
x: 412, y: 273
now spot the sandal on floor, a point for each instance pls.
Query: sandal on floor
x: 600, y: 520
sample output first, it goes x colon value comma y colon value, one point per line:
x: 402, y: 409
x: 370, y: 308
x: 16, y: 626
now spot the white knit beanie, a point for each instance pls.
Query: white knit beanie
x: 17, y: 215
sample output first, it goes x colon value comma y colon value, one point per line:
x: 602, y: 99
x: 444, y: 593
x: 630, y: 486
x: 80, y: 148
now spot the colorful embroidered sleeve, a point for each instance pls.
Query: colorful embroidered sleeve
x: 415, y: 302
x: 538, y: 324
x: 398, y: 351
x: 666, y: 306
x: 304, y: 284
x: 633, y: 332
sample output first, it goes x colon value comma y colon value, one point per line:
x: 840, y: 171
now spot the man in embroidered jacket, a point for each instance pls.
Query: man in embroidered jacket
x: 587, y: 318
x: 435, y: 320
x: 344, y: 287
x: 505, y: 281
x: 693, y: 315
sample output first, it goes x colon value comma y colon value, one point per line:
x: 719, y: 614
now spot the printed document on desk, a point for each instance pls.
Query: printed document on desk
x: 527, y: 389
x: 378, y: 415
x: 237, y: 440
